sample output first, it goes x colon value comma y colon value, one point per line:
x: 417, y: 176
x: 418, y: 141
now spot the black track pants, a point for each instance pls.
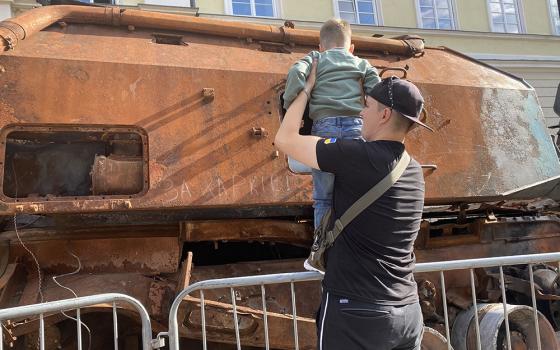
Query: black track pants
x: 345, y: 324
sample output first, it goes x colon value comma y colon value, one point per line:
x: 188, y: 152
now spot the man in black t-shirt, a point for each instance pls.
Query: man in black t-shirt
x: 370, y: 297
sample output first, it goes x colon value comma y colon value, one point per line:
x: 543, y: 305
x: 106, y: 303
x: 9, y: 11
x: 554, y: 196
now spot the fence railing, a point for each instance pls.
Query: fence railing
x: 432, y: 267
x: 76, y: 304
x: 486, y: 319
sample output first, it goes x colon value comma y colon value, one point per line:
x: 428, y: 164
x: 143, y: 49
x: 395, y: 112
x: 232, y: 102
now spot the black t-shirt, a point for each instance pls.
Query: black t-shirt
x: 372, y: 259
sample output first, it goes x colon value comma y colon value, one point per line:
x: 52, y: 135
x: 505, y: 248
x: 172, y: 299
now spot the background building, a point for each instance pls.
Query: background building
x: 519, y: 36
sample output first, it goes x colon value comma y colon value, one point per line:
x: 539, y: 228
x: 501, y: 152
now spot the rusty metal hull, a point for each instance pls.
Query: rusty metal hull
x: 202, y: 151
x: 138, y: 147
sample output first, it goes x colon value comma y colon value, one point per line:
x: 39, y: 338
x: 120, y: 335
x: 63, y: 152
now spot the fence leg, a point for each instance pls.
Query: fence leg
x: 115, y: 327
x: 237, y: 338
x: 265, y: 318
x: 444, y: 300
x: 535, y: 312
x: 203, y: 315
x: 503, y: 288
x: 79, y: 324
x: 475, y: 306
x: 294, y: 314
x: 41, y: 332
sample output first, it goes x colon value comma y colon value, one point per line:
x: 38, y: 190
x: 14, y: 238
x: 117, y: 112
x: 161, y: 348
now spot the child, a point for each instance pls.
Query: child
x: 336, y: 100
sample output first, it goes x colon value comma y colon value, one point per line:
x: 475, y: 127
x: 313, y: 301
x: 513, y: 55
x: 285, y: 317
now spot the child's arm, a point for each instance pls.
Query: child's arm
x: 371, y: 77
x: 288, y: 139
x: 296, y: 79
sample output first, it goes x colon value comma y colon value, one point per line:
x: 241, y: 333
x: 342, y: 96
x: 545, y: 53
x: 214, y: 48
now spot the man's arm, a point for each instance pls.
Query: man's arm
x: 288, y: 140
x: 297, y: 75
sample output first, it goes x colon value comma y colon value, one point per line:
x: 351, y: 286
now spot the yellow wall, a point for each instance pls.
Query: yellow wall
x: 128, y: 2
x: 308, y: 10
x: 473, y: 15
x: 479, y: 43
x: 495, y: 45
x: 537, y: 16
x: 399, y: 13
x: 211, y: 6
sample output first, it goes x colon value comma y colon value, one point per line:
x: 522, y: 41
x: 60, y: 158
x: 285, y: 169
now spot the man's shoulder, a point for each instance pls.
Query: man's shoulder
x: 343, y: 149
x: 343, y: 144
x: 382, y: 147
x: 337, y: 155
x: 377, y: 149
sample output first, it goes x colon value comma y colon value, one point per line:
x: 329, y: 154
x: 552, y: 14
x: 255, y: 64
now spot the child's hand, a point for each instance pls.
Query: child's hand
x: 310, y: 83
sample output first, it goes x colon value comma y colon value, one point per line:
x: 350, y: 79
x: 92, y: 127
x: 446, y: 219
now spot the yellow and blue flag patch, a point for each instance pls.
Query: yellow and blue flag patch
x: 331, y: 140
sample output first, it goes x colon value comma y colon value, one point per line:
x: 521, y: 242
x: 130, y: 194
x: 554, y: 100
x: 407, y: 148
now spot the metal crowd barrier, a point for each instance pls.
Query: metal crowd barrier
x: 292, y: 278
x: 76, y: 304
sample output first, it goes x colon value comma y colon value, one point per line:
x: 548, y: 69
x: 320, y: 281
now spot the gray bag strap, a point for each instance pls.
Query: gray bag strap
x: 371, y: 196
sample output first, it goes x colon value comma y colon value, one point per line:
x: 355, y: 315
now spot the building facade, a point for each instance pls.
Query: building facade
x: 518, y: 36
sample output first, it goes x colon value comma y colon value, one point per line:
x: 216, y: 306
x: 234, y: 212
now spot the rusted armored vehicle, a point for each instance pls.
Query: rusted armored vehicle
x: 136, y: 156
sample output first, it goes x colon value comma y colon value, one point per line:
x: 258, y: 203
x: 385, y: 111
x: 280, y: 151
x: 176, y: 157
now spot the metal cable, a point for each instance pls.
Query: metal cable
x: 54, y: 278
x: 39, y: 275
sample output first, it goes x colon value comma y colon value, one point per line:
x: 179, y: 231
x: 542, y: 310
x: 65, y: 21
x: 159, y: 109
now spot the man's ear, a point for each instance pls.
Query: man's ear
x: 351, y: 48
x: 387, y: 114
x: 321, y: 48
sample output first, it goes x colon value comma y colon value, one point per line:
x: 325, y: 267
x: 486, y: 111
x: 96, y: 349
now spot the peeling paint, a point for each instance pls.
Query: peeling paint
x: 521, y: 150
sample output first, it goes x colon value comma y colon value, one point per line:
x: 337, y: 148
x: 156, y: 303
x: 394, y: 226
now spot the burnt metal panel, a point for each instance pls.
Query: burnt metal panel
x: 490, y: 137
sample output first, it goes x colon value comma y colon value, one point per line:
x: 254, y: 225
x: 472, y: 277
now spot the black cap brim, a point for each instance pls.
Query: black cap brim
x: 416, y: 121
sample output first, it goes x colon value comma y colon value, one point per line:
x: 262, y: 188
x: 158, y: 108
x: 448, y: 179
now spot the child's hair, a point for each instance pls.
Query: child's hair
x: 335, y: 33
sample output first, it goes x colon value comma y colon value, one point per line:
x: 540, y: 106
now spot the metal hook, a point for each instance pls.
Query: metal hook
x: 398, y: 69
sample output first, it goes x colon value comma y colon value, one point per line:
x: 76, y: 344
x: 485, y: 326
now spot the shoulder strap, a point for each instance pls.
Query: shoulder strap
x: 371, y: 196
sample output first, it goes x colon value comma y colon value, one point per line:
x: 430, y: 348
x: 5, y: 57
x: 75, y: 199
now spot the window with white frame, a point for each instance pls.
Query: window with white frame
x: 436, y: 14
x: 358, y: 11
x: 258, y: 8
x: 505, y: 16
x: 555, y: 16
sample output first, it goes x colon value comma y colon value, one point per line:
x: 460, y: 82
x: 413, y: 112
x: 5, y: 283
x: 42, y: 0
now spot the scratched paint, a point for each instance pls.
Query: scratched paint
x: 548, y: 159
x: 521, y: 150
x: 231, y: 187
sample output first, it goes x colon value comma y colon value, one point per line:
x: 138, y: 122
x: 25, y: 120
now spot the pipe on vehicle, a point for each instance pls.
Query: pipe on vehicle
x: 16, y: 29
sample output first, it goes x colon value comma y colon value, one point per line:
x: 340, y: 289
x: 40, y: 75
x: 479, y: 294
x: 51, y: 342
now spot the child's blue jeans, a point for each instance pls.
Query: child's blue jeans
x: 323, y: 182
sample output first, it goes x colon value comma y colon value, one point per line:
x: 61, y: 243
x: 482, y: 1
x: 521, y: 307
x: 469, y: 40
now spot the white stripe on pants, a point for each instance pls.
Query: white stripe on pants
x: 323, y: 323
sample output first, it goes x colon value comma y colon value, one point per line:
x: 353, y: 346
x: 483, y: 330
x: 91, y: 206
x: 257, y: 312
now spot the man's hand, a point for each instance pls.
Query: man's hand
x: 288, y: 139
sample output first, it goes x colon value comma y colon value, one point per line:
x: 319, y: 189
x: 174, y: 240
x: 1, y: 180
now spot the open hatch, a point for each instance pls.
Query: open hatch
x: 53, y: 161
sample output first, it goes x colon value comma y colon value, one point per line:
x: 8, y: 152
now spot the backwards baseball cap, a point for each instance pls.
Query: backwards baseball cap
x: 402, y: 96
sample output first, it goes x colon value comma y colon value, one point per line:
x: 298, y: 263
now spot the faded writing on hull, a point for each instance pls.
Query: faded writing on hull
x: 266, y: 186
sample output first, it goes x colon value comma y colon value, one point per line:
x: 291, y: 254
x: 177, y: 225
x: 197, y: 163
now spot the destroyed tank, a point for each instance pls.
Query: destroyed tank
x: 136, y: 156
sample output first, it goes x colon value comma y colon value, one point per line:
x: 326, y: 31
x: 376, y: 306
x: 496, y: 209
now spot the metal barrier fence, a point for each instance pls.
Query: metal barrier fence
x: 76, y: 304
x: 484, y: 334
x: 432, y: 267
